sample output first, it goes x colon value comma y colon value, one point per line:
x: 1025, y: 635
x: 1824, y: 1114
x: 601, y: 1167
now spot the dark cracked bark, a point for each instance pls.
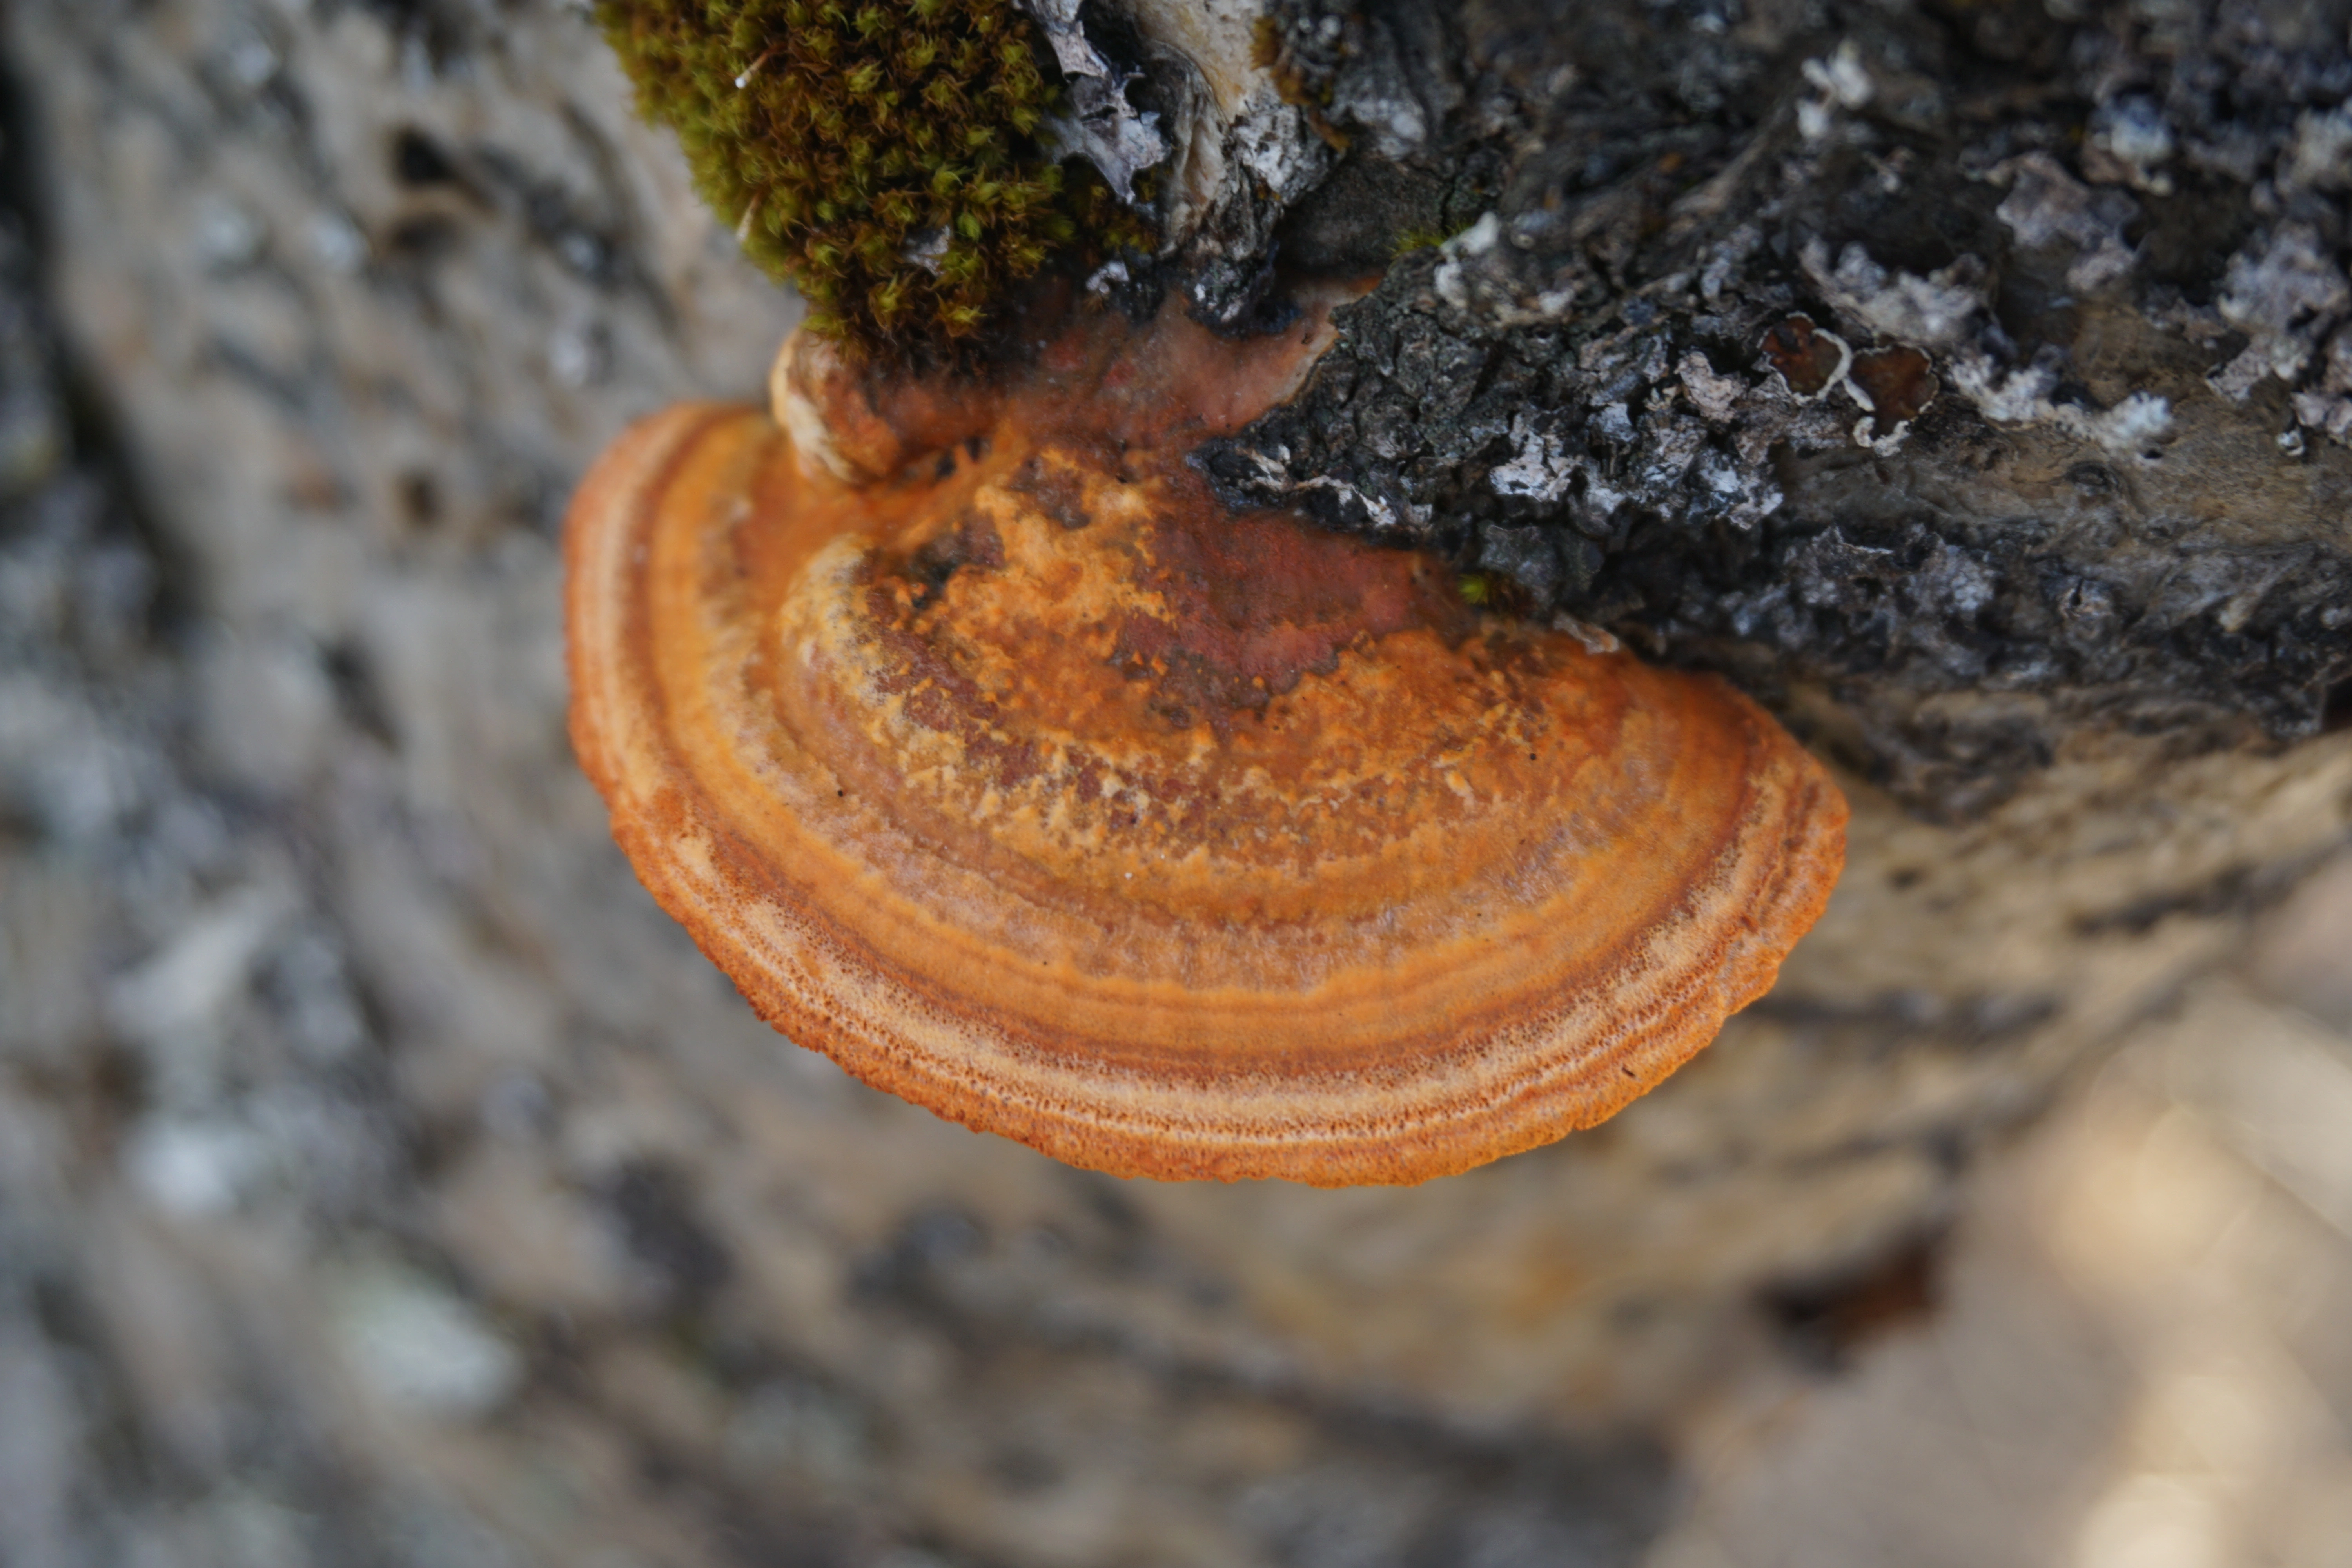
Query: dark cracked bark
x: 2117, y: 240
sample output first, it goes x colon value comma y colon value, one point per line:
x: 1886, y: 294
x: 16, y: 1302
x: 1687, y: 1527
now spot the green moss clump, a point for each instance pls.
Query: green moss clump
x: 881, y: 155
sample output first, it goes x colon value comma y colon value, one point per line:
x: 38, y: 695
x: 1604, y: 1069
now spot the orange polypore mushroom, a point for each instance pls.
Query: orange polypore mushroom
x: 992, y: 757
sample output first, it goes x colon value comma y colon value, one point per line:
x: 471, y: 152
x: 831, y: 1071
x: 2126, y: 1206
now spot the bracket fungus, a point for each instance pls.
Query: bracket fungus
x: 989, y: 754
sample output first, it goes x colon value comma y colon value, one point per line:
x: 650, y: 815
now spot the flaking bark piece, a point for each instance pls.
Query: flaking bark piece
x: 1039, y: 789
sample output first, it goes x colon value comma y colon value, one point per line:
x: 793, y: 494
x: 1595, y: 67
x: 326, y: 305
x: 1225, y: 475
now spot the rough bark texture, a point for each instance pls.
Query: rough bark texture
x: 2119, y: 240
x: 392, y: 1183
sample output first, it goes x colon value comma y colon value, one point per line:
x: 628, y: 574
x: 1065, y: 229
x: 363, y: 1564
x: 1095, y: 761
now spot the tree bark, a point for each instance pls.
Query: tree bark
x: 371, y: 1137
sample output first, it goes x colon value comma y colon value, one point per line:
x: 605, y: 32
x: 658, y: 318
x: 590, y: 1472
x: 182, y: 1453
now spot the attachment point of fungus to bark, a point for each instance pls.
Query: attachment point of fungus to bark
x: 991, y: 756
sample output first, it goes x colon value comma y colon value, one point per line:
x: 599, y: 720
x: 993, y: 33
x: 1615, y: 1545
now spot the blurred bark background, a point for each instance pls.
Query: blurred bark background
x: 382, y: 1180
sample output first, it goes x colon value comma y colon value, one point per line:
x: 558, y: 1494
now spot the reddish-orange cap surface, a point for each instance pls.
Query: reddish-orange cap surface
x: 1035, y: 787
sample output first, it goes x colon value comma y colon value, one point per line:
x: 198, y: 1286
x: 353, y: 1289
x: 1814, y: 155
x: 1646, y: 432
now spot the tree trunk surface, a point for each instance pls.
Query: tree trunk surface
x: 374, y: 1155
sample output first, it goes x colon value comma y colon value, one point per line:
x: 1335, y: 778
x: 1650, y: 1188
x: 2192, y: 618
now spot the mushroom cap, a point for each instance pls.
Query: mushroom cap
x: 1034, y: 786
